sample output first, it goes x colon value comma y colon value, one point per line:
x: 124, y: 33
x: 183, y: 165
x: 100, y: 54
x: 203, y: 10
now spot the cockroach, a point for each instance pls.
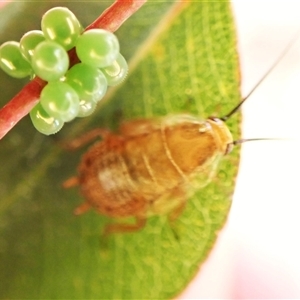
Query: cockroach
x: 153, y: 165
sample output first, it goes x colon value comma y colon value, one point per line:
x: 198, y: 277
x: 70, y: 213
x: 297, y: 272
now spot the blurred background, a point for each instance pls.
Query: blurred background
x: 257, y: 253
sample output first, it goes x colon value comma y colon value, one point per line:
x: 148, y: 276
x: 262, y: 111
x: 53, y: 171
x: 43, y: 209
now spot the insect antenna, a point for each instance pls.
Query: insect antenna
x: 280, y: 57
x: 241, y: 141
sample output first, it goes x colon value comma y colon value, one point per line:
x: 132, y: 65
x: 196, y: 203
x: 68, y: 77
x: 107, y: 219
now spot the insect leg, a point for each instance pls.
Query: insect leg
x: 122, y: 228
x: 174, y: 215
x: 86, y: 138
x: 138, y: 126
x: 71, y: 182
x: 81, y: 209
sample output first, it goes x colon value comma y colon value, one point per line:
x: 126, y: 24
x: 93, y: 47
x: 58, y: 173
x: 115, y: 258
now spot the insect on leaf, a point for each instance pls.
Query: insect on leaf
x: 182, y: 60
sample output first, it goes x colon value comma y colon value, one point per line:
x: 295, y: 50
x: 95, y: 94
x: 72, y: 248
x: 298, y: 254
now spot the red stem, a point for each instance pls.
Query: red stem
x: 114, y: 16
x: 19, y: 106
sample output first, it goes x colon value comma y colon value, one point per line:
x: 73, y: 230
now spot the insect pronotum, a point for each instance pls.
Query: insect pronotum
x: 153, y: 165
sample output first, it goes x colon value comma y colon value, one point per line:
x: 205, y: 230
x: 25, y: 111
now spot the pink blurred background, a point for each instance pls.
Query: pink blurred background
x: 258, y: 253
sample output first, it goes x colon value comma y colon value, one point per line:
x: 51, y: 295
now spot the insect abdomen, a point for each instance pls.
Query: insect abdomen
x: 123, y: 177
x: 147, y: 173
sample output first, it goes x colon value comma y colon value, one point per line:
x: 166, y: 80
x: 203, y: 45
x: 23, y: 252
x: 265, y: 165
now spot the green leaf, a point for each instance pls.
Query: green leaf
x: 182, y: 59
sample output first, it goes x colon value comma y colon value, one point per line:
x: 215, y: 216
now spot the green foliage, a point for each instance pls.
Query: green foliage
x: 182, y: 59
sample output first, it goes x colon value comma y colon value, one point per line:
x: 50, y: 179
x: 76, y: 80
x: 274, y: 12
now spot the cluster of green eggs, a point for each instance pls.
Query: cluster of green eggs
x: 70, y: 92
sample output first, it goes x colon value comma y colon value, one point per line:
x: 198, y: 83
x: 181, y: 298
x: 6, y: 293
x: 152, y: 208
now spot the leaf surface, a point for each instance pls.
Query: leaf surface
x: 182, y: 59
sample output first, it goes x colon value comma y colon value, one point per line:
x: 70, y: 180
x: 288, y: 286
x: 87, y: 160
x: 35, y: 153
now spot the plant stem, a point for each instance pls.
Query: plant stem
x: 19, y: 106
x: 114, y: 16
